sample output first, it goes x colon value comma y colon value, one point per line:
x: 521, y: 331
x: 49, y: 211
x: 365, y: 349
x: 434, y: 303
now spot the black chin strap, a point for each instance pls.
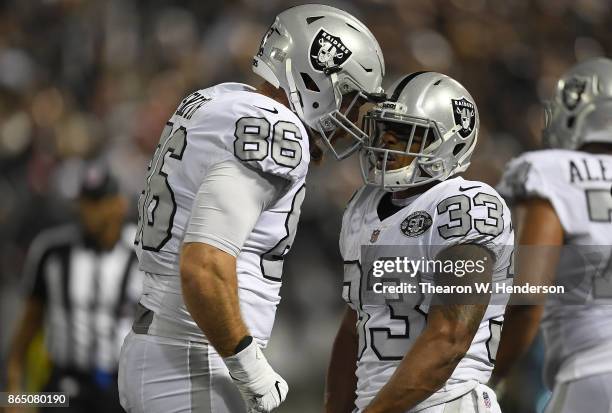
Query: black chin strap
x: 376, y: 97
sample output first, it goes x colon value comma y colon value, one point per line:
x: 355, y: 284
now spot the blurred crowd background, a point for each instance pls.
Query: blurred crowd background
x: 98, y: 79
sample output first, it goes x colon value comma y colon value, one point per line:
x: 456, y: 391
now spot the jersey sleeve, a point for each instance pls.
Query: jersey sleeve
x: 347, y: 221
x: 536, y: 175
x: 258, y: 131
x: 229, y: 203
x: 523, y: 179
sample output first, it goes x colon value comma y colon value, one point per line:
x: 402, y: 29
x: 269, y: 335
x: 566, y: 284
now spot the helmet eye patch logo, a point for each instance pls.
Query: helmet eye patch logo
x: 464, y: 115
x: 572, y: 92
x: 327, y: 51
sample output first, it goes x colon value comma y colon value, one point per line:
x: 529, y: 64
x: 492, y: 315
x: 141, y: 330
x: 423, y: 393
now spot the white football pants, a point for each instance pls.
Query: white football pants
x: 165, y: 375
x: 588, y: 394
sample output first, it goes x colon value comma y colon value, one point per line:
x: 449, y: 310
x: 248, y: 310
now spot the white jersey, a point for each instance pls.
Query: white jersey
x: 453, y: 212
x: 578, y: 338
x: 225, y: 122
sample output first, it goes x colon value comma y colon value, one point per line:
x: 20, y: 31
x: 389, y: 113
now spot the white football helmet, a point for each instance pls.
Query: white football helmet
x: 317, y: 54
x: 581, y: 110
x: 432, y: 107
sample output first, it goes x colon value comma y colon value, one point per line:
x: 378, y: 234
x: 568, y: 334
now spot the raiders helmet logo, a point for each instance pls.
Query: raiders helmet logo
x: 416, y: 224
x: 464, y: 115
x: 572, y: 92
x: 327, y: 51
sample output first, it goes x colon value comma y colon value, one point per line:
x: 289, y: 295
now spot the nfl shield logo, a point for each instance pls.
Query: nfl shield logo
x: 572, y: 92
x: 327, y: 51
x: 486, y: 399
x: 464, y: 115
x: 374, y: 236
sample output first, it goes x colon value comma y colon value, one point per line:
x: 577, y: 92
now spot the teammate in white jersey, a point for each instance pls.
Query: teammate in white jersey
x: 564, y: 196
x: 421, y: 356
x: 220, y: 209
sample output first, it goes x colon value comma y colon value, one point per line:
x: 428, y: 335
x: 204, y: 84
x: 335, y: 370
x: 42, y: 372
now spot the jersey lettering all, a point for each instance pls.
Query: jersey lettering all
x: 577, y: 184
x: 453, y: 212
x: 225, y: 122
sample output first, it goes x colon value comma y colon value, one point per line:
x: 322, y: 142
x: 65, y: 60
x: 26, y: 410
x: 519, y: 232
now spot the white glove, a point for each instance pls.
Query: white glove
x: 261, y: 387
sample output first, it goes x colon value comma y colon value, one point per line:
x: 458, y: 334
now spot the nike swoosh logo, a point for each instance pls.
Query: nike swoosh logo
x: 278, y: 389
x: 233, y: 378
x: 462, y: 189
x: 364, y: 68
x: 275, y: 111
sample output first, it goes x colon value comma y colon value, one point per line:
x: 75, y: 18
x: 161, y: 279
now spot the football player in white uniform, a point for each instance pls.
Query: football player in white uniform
x: 220, y: 209
x: 423, y: 356
x: 564, y: 197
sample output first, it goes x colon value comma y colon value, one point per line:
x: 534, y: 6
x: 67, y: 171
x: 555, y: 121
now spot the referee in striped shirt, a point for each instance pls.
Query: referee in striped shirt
x: 84, y: 287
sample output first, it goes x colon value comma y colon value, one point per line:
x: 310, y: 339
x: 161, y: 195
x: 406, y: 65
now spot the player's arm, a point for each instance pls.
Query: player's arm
x: 341, y: 379
x: 540, y: 226
x: 228, y: 204
x: 210, y: 289
x: 29, y: 325
x: 443, y: 343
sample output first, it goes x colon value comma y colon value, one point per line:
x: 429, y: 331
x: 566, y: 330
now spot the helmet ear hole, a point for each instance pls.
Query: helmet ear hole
x: 458, y: 148
x: 309, y: 83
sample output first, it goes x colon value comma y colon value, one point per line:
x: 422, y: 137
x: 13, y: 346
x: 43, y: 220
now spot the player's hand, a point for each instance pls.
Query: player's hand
x: 261, y: 387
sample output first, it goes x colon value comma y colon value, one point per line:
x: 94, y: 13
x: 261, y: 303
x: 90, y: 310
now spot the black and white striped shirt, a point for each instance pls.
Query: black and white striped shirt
x: 89, y: 296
